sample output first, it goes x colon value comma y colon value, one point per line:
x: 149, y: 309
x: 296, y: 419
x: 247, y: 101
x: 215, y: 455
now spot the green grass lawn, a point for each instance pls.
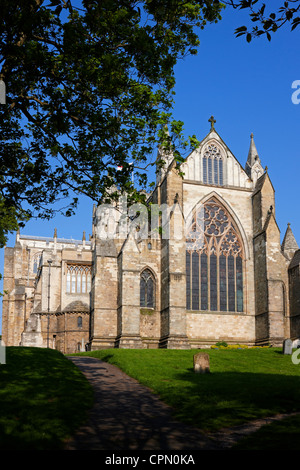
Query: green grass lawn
x: 43, y: 399
x: 243, y: 384
x: 280, y: 435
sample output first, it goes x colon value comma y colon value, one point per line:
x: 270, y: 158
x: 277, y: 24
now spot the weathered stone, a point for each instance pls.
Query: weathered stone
x: 2, y: 352
x: 198, y: 300
x: 32, y: 335
x: 201, y: 363
x: 287, y: 346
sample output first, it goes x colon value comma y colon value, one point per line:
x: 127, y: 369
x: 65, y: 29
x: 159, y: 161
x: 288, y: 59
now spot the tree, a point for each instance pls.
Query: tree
x: 266, y: 24
x: 89, y: 89
x: 9, y: 221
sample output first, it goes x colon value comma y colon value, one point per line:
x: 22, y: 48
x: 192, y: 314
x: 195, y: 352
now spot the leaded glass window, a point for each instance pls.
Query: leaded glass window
x: 212, y: 165
x: 214, y: 261
x: 147, y: 289
x: 36, y: 260
x: 78, y: 279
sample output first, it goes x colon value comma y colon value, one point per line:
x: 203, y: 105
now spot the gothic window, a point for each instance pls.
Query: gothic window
x: 147, y: 289
x: 212, y: 163
x: 79, y: 322
x: 78, y: 279
x: 36, y: 262
x: 35, y: 266
x: 214, y: 261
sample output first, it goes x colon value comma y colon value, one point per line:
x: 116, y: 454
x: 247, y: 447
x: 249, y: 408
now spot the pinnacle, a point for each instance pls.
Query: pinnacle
x: 252, y: 154
x: 289, y: 244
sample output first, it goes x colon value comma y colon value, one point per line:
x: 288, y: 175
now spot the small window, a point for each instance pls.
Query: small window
x: 79, y: 322
x: 147, y: 289
x: 35, y: 265
x: 36, y: 262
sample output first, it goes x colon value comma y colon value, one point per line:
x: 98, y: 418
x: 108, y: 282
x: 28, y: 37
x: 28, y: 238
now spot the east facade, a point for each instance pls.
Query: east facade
x: 201, y: 262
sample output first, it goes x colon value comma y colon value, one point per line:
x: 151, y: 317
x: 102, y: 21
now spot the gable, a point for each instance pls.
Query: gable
x: 213, y: 163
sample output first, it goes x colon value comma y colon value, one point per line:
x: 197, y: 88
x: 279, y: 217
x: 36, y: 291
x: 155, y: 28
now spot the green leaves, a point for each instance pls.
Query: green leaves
x: 269, y: 24
x: 89, y: 86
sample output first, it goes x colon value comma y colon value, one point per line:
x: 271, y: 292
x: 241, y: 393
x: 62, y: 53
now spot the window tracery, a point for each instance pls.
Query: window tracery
x: 212, y: 165
x: 78, y: 278
x: 147, y: 289
x: 214, y: 261
x: 36, y: 260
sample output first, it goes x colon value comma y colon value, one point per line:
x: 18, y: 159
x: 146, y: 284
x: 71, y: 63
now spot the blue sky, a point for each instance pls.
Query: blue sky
x: 248, y: 88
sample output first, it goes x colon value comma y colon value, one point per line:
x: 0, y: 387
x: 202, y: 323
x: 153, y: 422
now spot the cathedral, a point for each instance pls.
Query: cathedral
x: 202, y: 261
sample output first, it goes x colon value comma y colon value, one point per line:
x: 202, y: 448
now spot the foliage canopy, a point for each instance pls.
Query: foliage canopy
x: 89, y: 89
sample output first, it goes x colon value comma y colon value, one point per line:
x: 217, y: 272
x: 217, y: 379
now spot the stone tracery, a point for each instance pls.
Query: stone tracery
x: 212, y: 165
x: 147, y: 289
x: 78, y: 278
x: 214, y: 261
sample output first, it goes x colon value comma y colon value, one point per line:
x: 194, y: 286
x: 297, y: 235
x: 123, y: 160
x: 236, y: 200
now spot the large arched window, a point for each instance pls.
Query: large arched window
x: 212, y: 165
x: 147, y: 289
x: 214, y: 261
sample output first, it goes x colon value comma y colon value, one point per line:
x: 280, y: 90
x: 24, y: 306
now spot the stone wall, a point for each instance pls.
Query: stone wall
x: 205, y: 329
x: 104, y: 296
x: 271, y: 269
x: 294, y: 285
x: 111, y: 313
x: 26, y: 308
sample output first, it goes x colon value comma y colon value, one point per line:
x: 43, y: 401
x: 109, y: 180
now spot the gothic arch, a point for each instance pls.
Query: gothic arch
x: 215, y: 152
x: 36, y: 258
x: 214, y: 260
x: 151, y: 270
x: 229, y: 210
x: 148, y: 286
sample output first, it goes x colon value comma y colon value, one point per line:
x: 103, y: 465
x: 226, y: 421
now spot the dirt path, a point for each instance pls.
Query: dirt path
x: 128, y: 416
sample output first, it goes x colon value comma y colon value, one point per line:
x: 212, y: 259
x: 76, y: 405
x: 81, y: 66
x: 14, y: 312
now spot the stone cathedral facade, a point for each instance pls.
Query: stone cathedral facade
x: 210, y: 266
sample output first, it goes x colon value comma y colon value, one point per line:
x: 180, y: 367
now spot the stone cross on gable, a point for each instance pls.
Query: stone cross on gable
x: 212, y: 123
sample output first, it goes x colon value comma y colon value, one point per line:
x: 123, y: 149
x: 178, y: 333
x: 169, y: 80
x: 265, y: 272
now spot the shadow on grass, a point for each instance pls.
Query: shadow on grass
x: 224, y: 399
x: 243, y: 384
x: 280, y: 435
x: 43, y: 399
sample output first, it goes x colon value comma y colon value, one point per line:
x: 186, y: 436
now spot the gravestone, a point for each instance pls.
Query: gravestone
x: 201, y: 363
x: 287, y: 346
x: 2, y: 352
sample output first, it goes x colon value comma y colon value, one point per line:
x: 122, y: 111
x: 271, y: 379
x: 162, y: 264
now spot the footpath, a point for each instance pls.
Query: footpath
x: 128, y: 416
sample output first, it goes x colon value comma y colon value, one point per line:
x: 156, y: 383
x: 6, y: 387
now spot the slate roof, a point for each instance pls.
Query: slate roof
x: 295, y: 260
